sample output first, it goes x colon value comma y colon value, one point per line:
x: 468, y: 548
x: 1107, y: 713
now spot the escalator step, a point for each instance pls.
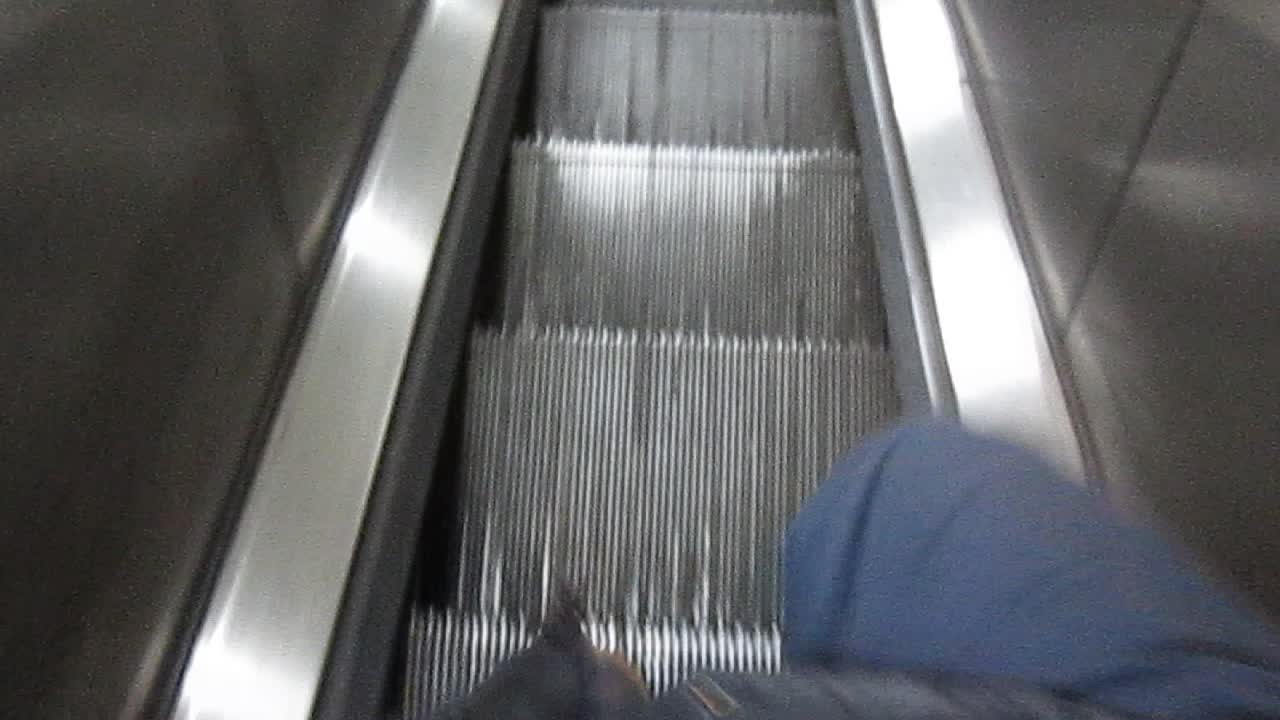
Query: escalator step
x: 654, y: 472
x: 816, y: 6
x: 760, y: 243
x: 451, y: 652
x: 692, y: 78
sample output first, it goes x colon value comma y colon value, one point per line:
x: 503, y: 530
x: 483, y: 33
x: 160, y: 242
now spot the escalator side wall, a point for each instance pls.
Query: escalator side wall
x: 374, y: 612
x: 1151, y: 262
x: 166, y: 202
x: 920, y: 369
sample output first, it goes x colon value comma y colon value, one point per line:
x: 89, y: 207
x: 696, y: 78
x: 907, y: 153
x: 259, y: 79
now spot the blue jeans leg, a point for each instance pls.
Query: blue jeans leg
x: 934, y: 549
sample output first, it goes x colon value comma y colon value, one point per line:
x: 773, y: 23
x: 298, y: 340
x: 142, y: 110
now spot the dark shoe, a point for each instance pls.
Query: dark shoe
x: 560, y: 676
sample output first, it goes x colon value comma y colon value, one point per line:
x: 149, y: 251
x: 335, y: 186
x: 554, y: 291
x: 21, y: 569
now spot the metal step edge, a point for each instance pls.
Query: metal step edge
x: 756, y: 242
x: 710, y: 157
x: 450, y: 652
x: 692, y: 8
x: 751, y: 79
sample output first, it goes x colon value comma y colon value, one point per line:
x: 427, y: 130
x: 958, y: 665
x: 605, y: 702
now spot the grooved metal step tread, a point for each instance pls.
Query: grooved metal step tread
x: 779, y: 6
x: 451, y: 652
x: 692, y: 77
x: 654, y: 472
x: 752, y: 242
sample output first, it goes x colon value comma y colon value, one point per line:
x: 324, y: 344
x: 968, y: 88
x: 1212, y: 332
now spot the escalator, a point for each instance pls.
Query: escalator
x: 335, y: 352
x: 679, y: 328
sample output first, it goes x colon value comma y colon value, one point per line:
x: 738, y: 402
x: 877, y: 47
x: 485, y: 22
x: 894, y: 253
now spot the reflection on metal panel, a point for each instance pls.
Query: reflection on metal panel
x: 1001, y: 368
x: 262, y: 648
